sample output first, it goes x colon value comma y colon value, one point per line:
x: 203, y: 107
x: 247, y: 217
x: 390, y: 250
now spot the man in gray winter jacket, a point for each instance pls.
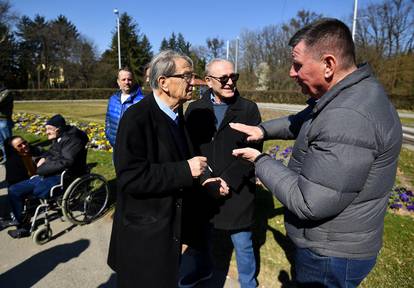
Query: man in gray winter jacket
x: 343, y: 165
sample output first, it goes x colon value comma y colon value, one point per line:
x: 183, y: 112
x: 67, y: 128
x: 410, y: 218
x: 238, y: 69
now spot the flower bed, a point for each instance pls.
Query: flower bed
x: 35, y: 124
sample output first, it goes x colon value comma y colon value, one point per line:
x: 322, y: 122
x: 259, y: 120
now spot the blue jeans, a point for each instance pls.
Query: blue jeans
x: 5, y: 132
x: 38, y: 186
x: 246, y: 261
x: 313, y: 270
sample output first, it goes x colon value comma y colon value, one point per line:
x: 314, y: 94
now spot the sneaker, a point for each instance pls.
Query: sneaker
x: 4, y: 223
x: 19, y: 233
x: 194, y: 278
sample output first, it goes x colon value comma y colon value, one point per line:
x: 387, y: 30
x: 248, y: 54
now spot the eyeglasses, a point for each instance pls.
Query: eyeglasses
x: 188, y: 77
x: 225, y: 78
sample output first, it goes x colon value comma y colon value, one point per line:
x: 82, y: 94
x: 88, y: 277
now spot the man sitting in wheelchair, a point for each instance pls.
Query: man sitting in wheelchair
x: 67, y: 152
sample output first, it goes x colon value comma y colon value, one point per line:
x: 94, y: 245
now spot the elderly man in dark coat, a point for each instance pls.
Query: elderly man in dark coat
x: 208, y: 120
x: 153, y: 172
x: 67, y: 152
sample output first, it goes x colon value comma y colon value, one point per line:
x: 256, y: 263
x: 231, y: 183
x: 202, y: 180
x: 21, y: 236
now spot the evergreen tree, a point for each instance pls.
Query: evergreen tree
x: 164, y: 45
x: 135, y: 48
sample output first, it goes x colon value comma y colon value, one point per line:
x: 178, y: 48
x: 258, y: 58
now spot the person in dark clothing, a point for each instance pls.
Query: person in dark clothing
x: 21, y: 159
x: 67, y: 152
x: 207, y: 121
x: 155, y: 169
x: 344, y: 161
x: 6, y: 122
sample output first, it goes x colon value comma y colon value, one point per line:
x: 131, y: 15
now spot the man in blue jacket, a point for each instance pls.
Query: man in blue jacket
x: 119, y: 102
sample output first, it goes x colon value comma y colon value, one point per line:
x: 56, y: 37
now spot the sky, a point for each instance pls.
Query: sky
x: 196, y: 20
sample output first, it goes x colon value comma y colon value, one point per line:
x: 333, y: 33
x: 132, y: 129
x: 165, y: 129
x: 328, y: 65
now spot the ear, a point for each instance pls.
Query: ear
x: 162, y: 83
x: 331, y: 64
x: 208, y: 81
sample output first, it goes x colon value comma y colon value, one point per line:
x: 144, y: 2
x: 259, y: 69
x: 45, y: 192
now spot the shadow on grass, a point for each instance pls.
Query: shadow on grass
x: 265, y: 210
x: 32, y: 270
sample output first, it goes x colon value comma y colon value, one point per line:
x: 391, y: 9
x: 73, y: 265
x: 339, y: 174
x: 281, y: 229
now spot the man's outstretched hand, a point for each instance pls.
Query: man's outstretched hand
x: 254, y: 133
x: 249, y: 154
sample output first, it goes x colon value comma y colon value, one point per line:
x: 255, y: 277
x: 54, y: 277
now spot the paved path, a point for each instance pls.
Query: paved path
x: 75, y: 257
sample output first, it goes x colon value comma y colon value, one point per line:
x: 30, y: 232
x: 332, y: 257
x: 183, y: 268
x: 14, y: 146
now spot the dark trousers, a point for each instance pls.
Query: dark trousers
x: 37, y: 186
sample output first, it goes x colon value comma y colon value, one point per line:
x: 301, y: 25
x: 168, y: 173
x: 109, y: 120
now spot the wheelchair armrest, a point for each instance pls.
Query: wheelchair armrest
x: 56, y: 188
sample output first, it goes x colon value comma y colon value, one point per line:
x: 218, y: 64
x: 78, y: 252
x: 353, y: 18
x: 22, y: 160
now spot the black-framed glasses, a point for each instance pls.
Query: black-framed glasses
x: 225, y: 78
x: 186, y: 76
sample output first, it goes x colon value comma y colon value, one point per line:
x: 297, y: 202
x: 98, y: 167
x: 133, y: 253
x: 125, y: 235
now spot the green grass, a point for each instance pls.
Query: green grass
x: 407, y: 121
x: 395, y: 263
x: 405, y: 174
x: 82, y: 110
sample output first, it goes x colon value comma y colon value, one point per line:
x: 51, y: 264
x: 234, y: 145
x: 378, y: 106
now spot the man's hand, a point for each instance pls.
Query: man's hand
x: 254, y: 133
x: 249, y: 154
x: 40, y: 162
x: 217, y: 185
x: 197, y: 165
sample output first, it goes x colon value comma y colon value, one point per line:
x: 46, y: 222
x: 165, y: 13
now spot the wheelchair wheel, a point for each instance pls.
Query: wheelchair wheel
x: 42, y: 235
x: 85, y: 199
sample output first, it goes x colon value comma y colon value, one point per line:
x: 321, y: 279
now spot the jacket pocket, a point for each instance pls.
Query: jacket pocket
x: 138, y: 219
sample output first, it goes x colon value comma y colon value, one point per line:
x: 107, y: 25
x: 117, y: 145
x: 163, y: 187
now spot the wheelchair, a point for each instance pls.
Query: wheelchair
x: 80, y: 201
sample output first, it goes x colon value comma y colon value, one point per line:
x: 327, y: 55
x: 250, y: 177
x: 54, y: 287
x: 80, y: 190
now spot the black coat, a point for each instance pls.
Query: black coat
x: 152, y: 175
x: 67, y: 153
x: 236, y: 210
x: 15, y: 169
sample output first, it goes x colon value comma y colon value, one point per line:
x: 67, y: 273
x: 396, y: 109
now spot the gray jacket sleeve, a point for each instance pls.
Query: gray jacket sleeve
x: 341, y: 150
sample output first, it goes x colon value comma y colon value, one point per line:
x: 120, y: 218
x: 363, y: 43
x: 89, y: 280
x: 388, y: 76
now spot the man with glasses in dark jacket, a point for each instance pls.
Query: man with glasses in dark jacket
x: 343, y: 165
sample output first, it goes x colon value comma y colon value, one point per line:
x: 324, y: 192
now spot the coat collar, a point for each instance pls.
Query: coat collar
x: 160, y: 122
x: 363, y: 71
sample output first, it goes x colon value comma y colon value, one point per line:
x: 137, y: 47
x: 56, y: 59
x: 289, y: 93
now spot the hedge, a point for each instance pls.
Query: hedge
x: 290, y: 97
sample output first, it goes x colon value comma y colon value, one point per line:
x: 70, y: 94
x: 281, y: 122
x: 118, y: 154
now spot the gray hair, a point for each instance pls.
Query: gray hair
x: 216, y: 60
x: 163, y: 64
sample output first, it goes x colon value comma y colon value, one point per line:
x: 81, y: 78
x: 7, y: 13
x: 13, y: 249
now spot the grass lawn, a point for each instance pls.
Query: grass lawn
x: 407, y: 121
x: 82, y: 110
x: 395, y: 264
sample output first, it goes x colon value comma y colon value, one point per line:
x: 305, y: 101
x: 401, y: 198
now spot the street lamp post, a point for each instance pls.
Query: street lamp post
x: 116, y: 12
x: 354, y: 19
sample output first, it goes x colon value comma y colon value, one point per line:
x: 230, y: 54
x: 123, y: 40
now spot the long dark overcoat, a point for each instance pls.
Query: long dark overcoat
x: 152, y: 175
x: 236, y: 210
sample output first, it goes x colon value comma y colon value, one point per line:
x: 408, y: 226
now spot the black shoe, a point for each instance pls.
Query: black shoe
x: 7, y: 223
x: 194, y: 278
x: 19, y: 233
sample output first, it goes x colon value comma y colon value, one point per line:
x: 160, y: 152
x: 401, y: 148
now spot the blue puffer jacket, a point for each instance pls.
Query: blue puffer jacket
x: 115, y: 111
